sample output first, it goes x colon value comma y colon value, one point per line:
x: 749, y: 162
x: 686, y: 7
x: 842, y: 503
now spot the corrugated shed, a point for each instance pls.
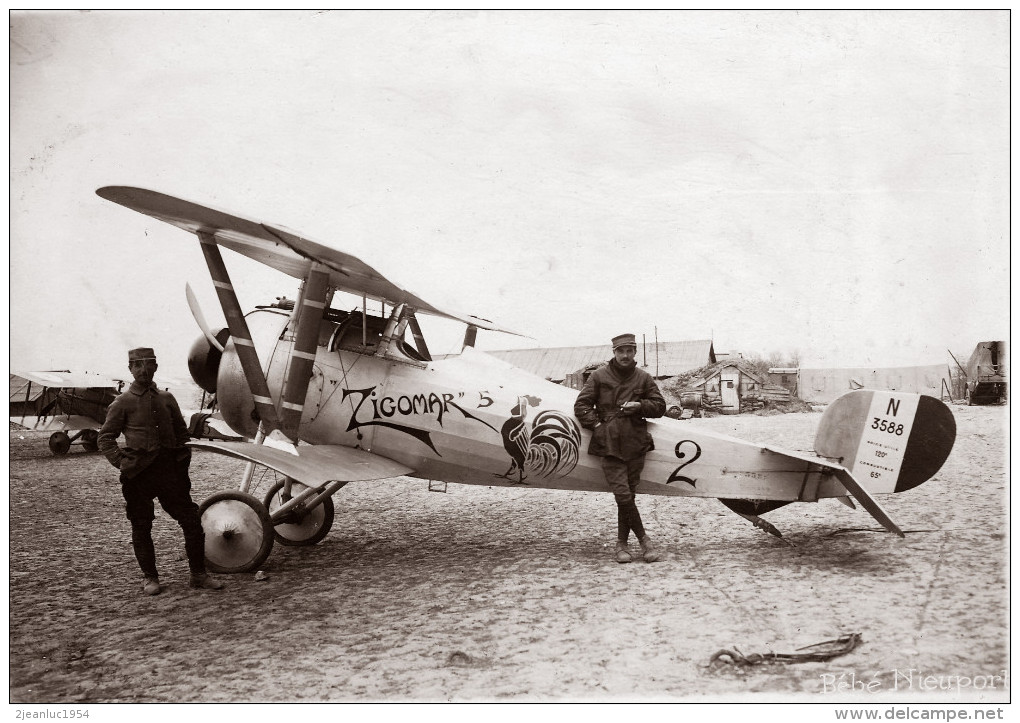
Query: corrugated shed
x: 665, y: 359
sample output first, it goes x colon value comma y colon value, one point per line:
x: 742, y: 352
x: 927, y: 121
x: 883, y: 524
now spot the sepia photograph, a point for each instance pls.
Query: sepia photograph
x: 462, y: 358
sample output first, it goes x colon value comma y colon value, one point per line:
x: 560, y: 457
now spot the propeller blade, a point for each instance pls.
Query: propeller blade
x: 246, y: 353
x: 196, y: 311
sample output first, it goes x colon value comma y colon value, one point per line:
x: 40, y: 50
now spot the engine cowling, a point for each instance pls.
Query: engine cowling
x: 204, y: 360
x: 233, y: 394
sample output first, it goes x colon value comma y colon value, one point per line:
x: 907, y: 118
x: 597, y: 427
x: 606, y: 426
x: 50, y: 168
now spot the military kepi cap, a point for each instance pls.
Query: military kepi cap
x: 624, y: 340
x: 141, y: 354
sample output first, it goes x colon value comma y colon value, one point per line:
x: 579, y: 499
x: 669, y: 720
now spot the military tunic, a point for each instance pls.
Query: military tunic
x: 598, y: 407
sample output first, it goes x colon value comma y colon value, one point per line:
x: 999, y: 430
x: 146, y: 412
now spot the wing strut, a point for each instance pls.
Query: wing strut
x: 246, y: 353
x: 419, y: 339
x: 308, y: 312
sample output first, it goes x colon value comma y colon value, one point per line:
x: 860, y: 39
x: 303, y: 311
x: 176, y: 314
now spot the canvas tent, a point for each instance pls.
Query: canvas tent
x: 825, y: 385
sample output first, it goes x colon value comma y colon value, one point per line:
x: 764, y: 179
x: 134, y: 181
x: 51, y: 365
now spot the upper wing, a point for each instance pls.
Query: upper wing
x: 279, y: 248
x: 313, y: 465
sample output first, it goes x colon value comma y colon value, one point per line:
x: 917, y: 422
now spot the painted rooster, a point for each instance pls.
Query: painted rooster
x: 550, y: 445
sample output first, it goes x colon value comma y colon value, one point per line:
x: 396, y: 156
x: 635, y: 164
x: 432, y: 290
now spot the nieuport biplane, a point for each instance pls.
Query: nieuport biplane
x: 70, y: 405
x: 325, y: 397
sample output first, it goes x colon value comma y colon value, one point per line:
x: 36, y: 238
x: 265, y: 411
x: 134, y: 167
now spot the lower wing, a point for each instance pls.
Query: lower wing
x: 313, y: 465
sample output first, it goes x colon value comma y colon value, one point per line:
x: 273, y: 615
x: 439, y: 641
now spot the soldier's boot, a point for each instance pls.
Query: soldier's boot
x: 205, y: 582
x: 622, y: 553
x: 648, y: 549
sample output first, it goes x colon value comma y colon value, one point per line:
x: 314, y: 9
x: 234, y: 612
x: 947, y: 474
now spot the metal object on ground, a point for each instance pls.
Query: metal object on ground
x: 810, y: 653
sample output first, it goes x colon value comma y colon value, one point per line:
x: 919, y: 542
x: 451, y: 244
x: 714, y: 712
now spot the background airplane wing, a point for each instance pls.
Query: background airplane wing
x: 280, y: 249
x: 69, y: 380
x: 313, y: 465
x: 62, y: 423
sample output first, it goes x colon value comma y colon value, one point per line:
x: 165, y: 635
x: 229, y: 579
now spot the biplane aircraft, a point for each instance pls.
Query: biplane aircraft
x: 71, y: 405
x: 325, y: 397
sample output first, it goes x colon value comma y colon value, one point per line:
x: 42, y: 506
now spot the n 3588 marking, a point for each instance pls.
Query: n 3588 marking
x: 884, y: 425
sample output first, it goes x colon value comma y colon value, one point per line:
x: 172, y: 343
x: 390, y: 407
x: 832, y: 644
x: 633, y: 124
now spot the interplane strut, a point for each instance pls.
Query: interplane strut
x: 308, y: 312
x: 240, y: 333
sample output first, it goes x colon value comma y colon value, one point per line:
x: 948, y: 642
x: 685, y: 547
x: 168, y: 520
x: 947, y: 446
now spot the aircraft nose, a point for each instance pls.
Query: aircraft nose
x: 204, y: 360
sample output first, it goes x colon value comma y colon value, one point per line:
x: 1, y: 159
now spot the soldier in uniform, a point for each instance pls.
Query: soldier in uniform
x: 153, y: 464
x: 614, y: 403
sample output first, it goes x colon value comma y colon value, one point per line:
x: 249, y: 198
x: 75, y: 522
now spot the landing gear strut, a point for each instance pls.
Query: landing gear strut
x: 301, y: 525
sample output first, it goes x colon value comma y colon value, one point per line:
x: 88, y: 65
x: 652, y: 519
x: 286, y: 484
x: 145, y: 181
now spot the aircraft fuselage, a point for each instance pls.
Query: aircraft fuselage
x: 474, y: 419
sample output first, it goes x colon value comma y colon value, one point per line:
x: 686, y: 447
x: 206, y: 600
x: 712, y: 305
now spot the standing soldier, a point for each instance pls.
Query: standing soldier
x: 154, y: 463
x: 614, y: 404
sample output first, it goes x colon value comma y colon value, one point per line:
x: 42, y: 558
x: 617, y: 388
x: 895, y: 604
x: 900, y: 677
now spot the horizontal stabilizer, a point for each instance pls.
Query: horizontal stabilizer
x: 312, y: 465
x: 866, y: 500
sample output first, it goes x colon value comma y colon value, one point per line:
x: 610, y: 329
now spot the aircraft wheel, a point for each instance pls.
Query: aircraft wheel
x: 60, y: 443
x: 90, y: 440
x: 303, y: 528
x: 238, y: 533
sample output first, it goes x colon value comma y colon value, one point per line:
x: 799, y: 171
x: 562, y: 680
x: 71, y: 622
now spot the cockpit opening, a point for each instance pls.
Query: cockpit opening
x: 396, y: 334
x: 363, y: 333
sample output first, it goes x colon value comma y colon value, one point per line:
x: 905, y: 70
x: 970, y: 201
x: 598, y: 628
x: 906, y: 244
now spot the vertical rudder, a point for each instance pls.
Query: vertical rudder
x: 890, y: 441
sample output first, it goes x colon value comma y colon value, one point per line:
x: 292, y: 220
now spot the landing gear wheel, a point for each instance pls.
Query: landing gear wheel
x: 90, y: 440
x: 304, y: 527
x: 238, y: 533
x: 60, y: 443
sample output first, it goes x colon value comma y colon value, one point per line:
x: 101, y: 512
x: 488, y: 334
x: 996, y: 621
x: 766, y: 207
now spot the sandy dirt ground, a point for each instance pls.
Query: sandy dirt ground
x: 488, y: 594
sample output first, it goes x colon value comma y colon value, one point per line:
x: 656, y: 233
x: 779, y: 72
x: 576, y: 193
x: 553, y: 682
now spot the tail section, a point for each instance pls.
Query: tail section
x: 890, y: 441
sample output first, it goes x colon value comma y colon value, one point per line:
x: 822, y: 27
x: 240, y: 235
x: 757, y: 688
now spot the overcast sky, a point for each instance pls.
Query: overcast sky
x: 834, y: 183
